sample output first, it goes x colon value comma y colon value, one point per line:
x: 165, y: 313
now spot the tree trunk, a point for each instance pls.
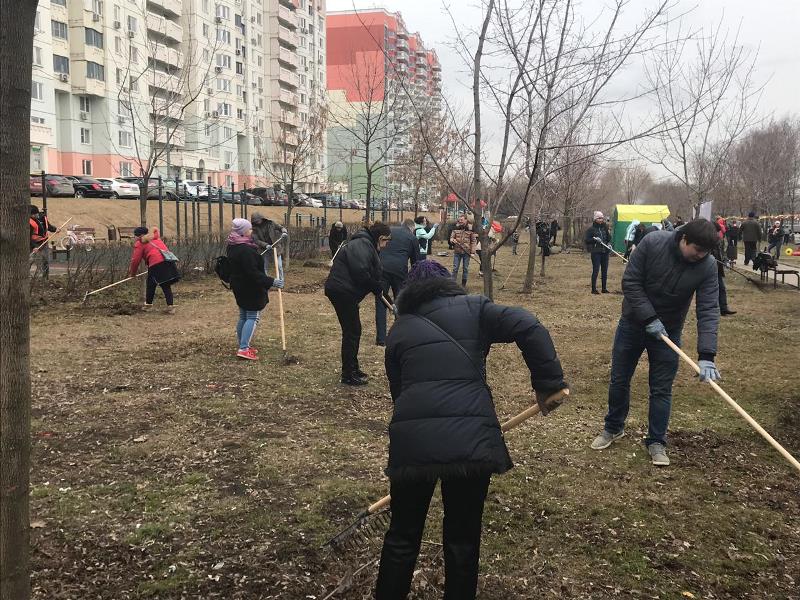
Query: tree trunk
x: 16, y: 54
x: 143, y: 204
x: 289, y: 207
x: 486, y: 264
x: 541, y: 271
x: 527, y: 286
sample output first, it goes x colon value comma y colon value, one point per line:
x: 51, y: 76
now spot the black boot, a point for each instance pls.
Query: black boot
x: 354, y: 380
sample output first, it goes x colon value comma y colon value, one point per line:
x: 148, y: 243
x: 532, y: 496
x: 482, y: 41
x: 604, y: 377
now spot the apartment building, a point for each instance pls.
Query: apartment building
x: 375, y: 45
x: 187, y: 84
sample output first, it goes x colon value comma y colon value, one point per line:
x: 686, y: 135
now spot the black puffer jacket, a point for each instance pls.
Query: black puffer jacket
x: 356, y: 271
x: 597, y: 231
x: 659, y: 283
x: 249, y: 283
x: 444, y: 423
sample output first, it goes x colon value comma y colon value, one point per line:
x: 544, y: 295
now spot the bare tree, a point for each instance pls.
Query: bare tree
x: 292, y: 155
x: 159, y: 81
x: 635, y: 180
x: 370, y: 122
x: 704, y: 88
x: 16, y: 53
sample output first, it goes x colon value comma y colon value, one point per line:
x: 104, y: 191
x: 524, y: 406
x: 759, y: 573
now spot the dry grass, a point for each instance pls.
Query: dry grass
x: 164, y: 468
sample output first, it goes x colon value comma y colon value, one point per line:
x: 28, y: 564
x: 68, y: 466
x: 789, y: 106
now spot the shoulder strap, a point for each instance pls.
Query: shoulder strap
x: 478, y: 368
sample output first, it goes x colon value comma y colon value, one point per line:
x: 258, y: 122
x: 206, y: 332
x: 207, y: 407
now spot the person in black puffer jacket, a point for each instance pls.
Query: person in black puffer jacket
x: 356, y: 272
x: 249, y: 283
x: 598, y: 251
x: 444, y: 424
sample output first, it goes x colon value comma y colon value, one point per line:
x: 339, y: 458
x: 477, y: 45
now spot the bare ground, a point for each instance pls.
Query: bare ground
x: 164, y: 468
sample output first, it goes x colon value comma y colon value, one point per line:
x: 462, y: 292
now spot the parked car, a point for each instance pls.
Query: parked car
x: 316, y: 203
x: 235, y: 198
x: 58, y: 185
x: 282, y: 198
x: 267, y: 195
x: 167, y: 187
x: 121, y: 188
x: 195, y: 188
x: 89, y: 187
x: 36, y: 185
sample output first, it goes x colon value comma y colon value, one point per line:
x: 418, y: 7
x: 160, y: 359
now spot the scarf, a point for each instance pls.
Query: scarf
x: 235, y: 239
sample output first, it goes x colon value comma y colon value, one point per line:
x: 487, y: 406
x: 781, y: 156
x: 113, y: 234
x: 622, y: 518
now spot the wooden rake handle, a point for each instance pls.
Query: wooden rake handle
x: 750, y: 420
x: 526, y: 414
x: 280, y: 297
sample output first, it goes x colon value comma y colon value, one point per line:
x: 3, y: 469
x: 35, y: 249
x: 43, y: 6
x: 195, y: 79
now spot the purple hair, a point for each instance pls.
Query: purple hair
x: 427, y: 269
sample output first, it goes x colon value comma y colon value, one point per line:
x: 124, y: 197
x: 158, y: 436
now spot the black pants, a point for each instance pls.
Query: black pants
x: 346, y: 308
x: 750, y: 251
x: 461, y: 536
x: 599, y: 263
x: 150, y: 292
x: 389, y: 281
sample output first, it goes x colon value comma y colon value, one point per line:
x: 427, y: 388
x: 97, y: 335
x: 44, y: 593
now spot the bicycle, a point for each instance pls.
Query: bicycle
x: 75, y: 238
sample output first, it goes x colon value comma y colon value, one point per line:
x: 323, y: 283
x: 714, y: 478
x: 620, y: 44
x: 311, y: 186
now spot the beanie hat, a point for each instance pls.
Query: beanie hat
x: 240, y: 226
x: 34, y: 209
x: 598, y: 215
x: 427, y: 269
x: 256, y: 217
x: 751, y: 214
x: 140, y: 231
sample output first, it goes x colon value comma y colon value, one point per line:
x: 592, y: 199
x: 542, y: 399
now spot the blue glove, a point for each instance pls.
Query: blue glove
x: 278, y: 283
x: 708, y: 371
x: 656, y: 329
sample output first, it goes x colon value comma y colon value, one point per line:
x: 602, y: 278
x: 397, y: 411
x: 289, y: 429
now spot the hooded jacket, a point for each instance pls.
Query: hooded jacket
x: 424, y: 236
x: 599, y: 231
x: 265, y: 231
x: 249, y: 283
x: 147, y: 247
x: 630, y: 232
x: 336, y: 237
x: 444, y: 422
x: 403, y: 247
x: 659, y: 284
x: 356, y: 271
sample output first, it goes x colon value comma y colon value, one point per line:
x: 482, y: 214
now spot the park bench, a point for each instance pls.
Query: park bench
x: 125, y: 233
x: 783, y: 273
x: 79, y: 232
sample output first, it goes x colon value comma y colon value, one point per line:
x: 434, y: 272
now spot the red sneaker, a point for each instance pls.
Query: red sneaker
x: 247, y: 354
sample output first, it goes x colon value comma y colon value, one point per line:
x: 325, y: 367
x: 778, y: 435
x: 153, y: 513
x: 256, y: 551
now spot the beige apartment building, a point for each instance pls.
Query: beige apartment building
x: 203, y: 89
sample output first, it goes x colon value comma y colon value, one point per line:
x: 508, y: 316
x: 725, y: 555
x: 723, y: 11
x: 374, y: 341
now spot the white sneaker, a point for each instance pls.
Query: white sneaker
x: 658, y: 453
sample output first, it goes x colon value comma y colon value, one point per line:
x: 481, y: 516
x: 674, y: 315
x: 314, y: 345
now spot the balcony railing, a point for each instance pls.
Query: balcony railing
x: 287, y: 17
x: 287, y: 57
x: 288, y: 77
x: 172, y: 6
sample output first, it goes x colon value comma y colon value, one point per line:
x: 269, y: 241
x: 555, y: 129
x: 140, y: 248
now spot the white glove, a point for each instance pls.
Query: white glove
x: 656, y: 329
x: 708, y: 371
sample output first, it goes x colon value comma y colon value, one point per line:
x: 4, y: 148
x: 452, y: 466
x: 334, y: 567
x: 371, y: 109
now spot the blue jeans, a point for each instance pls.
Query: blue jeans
x: 389, y: 281
x: 629, y: 343
x: 463, y: 260
x: 246, y: 327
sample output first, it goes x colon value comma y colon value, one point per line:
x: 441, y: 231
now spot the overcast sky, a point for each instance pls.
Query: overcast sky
x: 771, y: 27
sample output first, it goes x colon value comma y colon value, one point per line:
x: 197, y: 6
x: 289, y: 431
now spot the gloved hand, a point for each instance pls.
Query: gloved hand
x: 278, y: 283
x: 549, y: 401
x: 656, y: 329
x: 267, y: 247
x: 708, y: 371
x: 394, y: 310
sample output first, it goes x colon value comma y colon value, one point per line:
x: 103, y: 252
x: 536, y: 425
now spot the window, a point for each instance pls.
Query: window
x: 125, y: 169
x: 60, y: 64
x: 206, y: 55
x: 223, y: 85
x: 223, y: 108
x: 259, y: 60
x: 86, y: 167
x: 97, y: 6
x: 125, y: 139
x: 224, y: 35
x: 123, y: 107
x: 95, y: 71
x: 239, y: 68
x: 228, y: 132
x: 205, y: 6
x: 85, y: 103
x: 133, y: 83
x: 239, y: 90
x: 119, y: 77
x: 37, y: 56
x: 59, y: 2
x: 132, y: 24
x: 223, y: 12
x: 59, y: 30
x: 258, y: 18
x: 302, y: 98
x: 206, y: 105
x: 37, y: 90
x: 38, y: 120
x: 117, y: 13
x: 259, y: 44
x: 223, y: 60
x: 205, y: 30
x: 239, y: 114
x: 94, y: 38
x: 37, y: 23
x: 228, y: 156
x: 134, y: 54
x: 86, y: 136
x: 118, y: 45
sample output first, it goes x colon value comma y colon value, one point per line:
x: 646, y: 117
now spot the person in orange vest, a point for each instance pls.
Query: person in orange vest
x: 40, y: 230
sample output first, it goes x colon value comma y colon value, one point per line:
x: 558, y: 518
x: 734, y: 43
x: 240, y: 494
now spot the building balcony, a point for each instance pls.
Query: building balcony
x: 436, y: 67
x: 86, y: 86
x: 162, y: 81
x: 288, y: 58
x: 288, y: 77
x: 287, y: 37
x: 401, y: 44
x: 166, y: 110
x: 41, y: 135
x: 288, y: 118
x: 164, y: 27
x: 167, y: 55
x: 173, y: 137
x: 170, y: 6
x: 287, y: 18
x: 287, y: 97
x: 402, y: 57
x: 401, y: 34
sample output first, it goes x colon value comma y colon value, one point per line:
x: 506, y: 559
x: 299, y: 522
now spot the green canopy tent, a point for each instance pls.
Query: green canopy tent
x: 625, y: 214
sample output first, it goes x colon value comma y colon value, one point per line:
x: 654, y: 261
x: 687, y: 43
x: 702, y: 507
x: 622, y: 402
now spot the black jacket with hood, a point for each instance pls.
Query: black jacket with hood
x: 249, y: 283
x: 659, y: 284
x: 597, y: 231
x: 403, y: 247
x: 444, y: 422
x: 356, y: 271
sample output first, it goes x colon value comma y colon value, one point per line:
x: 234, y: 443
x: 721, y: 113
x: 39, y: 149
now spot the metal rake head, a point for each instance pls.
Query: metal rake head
x: 357, y: 535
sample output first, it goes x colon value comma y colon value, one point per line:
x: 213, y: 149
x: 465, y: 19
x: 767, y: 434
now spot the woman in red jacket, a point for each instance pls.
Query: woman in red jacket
x: 161, y: 265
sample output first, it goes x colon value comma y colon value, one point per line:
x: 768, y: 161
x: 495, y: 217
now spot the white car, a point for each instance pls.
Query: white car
x: 316, y: 203
x: 197, y: 189
x: 121, y: 188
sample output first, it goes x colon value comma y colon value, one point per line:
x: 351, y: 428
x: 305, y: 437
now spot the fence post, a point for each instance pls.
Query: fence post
x: 233, y: 204
x: 177, y: 215
x: 44, y: 193
x: 195, y: 216
x: 221, y: 217
x: 160, y: 205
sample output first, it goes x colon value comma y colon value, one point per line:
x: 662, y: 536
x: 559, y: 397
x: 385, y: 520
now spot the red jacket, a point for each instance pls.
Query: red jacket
x: 147, y: 247
x: 722, y: 228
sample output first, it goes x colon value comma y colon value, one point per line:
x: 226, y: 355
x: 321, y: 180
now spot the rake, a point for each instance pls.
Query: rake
x: 49, y: 237
x: 87, y: 294
x: 375, y: 519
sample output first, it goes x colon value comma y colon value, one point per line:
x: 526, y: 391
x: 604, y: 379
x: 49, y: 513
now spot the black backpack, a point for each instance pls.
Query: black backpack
x: 222, y: 267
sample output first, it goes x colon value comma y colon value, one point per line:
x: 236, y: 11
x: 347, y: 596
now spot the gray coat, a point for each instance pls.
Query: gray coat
x: 403, y: 247
x: 750, y: 231
x: 659, y: 283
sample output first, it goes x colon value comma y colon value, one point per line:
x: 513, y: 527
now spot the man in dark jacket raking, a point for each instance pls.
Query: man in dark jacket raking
x: 356, y: 272
x: 750, y: 231
x: 402, y: 248
x: 665, y: 272
x: 265, y: 233
x: 444, y: 426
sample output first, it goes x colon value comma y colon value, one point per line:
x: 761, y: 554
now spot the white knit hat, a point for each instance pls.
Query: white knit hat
x: 598, y: 215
